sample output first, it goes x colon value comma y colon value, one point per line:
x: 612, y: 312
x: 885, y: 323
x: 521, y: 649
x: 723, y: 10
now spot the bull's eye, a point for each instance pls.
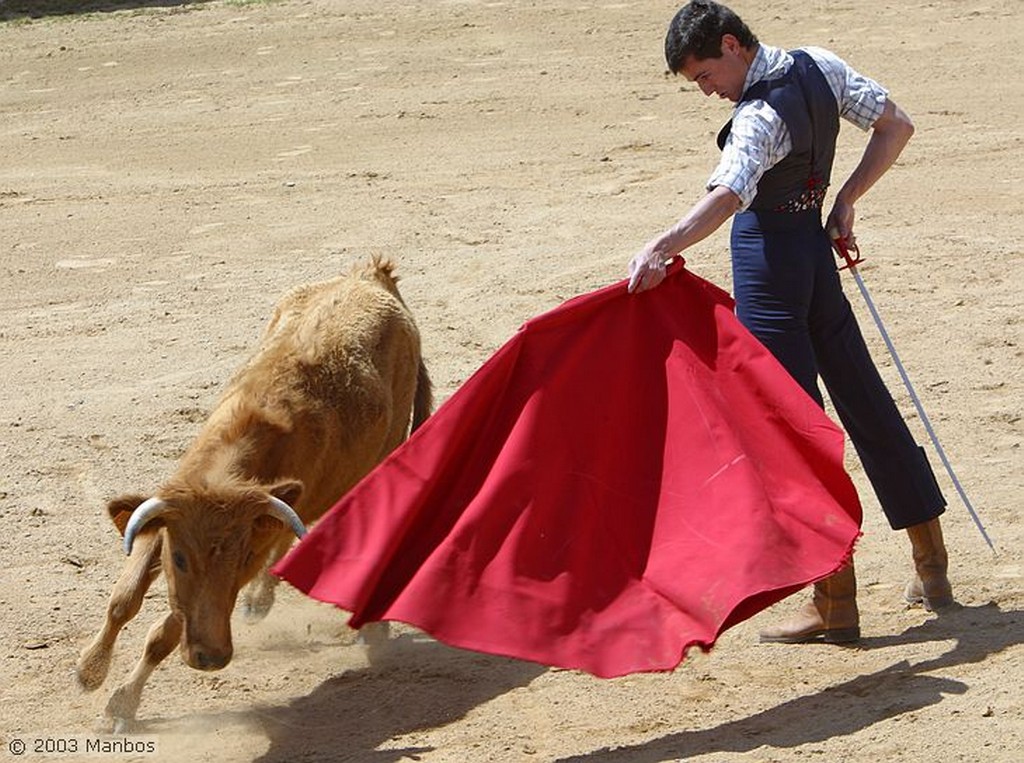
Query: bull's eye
x: 179, y: 561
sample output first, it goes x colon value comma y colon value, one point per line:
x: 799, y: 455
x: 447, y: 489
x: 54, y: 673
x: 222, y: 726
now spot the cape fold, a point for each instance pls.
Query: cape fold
x: 627, y: 477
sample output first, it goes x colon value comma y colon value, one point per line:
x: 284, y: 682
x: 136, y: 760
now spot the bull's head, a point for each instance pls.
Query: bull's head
x: 214, y: 541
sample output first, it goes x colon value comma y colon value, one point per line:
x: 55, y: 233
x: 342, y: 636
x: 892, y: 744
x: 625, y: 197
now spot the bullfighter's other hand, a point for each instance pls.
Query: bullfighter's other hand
x: 646, y: 269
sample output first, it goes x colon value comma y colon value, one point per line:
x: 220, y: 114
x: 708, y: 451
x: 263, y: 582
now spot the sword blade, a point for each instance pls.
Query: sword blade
x: 917, y: 404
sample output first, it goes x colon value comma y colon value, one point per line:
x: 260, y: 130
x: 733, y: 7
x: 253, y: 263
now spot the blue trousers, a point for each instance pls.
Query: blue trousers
x: 788, y: 294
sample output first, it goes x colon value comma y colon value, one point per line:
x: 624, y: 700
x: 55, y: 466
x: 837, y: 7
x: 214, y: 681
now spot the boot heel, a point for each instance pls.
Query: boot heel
x: 937, y: 603
x: 830, y: 616
x: 915, y: 595
x: 841, y: 635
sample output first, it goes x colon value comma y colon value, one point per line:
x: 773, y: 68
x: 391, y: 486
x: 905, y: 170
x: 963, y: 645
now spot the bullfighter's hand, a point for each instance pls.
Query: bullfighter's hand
x: 646, y: 269
x: 839, y: 223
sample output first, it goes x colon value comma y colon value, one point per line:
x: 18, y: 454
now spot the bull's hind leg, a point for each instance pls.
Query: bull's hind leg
x: 161, y: 640
x: 258, y: 596
x: 376, y: 637
x: 141, y: 569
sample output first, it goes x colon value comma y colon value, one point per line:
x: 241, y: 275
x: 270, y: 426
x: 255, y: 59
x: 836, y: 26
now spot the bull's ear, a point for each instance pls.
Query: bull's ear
x: 120, y: 510
x: 288, y: 491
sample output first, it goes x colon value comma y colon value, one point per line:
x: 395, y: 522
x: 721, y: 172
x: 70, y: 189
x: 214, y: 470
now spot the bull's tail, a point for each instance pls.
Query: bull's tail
x: 382, y: 270
x: 423, y: 403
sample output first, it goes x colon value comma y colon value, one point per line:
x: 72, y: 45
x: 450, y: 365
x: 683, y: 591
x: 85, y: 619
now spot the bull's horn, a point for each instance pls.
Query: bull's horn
x: 281, y: 510
x: 146, y: 511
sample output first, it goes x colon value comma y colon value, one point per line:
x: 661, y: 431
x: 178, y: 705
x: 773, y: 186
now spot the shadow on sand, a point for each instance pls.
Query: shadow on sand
x: 851, y: 706
x: 422, y: 684
x: 37, y: 9
x: 417, y: 683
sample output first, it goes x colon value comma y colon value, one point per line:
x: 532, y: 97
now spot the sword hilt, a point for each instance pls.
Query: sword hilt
x: 847, y: 250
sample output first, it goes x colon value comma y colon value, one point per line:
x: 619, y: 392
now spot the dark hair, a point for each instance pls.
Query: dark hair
x: 697, y: 31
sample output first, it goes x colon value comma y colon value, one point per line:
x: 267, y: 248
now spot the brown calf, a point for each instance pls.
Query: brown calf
x: 336, y: 385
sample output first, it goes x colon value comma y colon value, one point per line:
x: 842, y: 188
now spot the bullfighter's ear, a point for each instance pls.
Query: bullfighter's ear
x: 120, y: 510
x: 288, y: 491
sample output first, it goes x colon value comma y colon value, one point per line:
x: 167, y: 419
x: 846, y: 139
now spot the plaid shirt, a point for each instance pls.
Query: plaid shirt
x: 760, y: 139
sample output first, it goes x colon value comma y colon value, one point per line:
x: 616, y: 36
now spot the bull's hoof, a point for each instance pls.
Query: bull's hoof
x: 108, y: 725
x: 253, y: 613
x: 123, y: 725
x: 256, y: 602
x: 121, y: 708
x: 376, y: 637
x: 92, y: 668
x: 374, y: 634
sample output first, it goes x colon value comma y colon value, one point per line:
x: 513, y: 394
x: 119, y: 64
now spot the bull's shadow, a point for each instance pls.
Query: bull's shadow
x: 848, y: 707
x: 418, y: 683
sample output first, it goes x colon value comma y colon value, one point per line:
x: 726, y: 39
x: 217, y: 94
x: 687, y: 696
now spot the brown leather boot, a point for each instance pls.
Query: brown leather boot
x: 830, y: 616
x: 930, y: 586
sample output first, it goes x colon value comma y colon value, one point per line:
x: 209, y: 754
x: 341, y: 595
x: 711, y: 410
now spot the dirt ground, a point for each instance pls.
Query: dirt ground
x: 167, y: 171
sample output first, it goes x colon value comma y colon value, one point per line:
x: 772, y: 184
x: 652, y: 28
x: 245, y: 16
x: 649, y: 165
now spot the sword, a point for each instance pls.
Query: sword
x: 851, y: 254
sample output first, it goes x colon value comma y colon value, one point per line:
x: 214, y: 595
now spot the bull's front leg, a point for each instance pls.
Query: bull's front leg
x: 258, y: 595
x: 141, y: 569
x: 161, y: 640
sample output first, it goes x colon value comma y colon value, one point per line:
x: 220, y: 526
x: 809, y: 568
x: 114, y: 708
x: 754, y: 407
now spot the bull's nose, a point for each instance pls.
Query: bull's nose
x: 204, y: 659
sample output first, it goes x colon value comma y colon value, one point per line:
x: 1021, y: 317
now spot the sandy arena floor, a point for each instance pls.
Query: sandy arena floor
x: 168, y: 171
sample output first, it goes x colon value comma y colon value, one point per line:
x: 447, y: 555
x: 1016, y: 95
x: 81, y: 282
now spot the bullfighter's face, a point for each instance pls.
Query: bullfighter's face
x: 723, y: 76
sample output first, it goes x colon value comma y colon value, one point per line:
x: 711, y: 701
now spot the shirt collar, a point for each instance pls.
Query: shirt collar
x: 768, y: 62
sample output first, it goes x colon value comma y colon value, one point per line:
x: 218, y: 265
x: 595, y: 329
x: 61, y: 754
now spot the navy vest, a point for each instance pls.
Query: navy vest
x: 805, y: 102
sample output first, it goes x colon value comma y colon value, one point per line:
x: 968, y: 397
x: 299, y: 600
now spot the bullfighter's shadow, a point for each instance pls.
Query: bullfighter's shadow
x: 419, y: 683
x: 850, y: 706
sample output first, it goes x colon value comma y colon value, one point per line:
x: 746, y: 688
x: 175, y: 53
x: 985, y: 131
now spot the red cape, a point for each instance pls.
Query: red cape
x: 627, y: 477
